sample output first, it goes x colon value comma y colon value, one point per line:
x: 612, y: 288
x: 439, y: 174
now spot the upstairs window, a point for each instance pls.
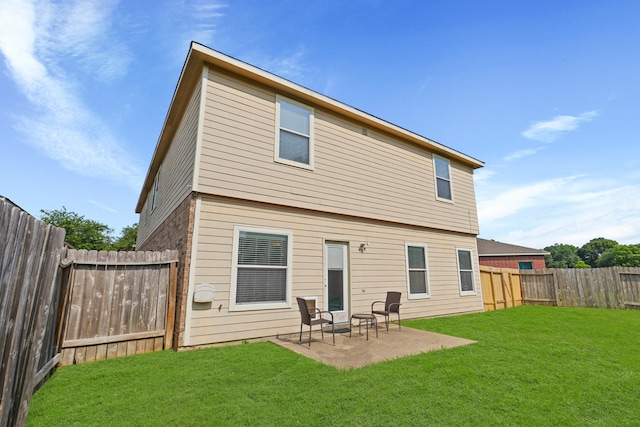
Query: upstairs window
x: 442, y: 169
x: 465, y: 269
x: 418, y: 282
x: 294, y: 141
x: 261, y: 269
x: 154, y: 195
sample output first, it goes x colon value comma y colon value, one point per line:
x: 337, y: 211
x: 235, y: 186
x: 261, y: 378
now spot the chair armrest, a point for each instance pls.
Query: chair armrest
x: 395, y: 304
x: 376, y: 302
x: 327, y: 312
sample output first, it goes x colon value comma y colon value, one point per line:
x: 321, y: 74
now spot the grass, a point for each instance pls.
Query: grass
x: 531, y: 366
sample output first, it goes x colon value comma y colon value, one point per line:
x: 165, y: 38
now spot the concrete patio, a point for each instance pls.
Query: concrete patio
x: 356, y: 352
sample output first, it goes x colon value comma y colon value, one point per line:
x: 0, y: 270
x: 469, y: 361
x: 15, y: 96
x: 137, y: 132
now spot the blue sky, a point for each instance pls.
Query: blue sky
x: 546, y: 93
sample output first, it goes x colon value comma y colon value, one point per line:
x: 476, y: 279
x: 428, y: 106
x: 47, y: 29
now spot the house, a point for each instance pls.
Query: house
x: 271, y: 191
x: 504, y: 255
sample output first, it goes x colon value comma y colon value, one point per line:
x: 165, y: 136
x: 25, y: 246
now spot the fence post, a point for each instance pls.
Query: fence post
x: 556, y: 289
x: 171, y: 306
x: 504, y: 290
x: 65, y: 286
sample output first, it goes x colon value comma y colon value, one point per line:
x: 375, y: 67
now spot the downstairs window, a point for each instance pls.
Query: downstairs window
x: 261, y: 276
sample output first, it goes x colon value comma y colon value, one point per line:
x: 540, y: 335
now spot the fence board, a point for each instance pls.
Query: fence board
x: 501, y: 287
x: 103, y: 308
x: 45, y: 302
x: 612, y: 287
x: 630, y: 287
x: 125, y: 303
x: 29, y: 258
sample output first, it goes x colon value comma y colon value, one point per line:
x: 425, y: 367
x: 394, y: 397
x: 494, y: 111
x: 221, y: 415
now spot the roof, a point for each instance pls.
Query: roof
x: 200, y: 55
x: 495, y: 248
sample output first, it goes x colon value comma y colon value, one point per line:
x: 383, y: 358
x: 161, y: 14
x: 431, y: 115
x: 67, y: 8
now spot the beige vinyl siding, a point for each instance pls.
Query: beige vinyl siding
x: 176, y: 170
x: 370, y: 176
x: 380, y: 268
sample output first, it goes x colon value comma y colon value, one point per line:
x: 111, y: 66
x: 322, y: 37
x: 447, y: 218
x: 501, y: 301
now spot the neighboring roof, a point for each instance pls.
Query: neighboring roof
x: 494, y: 248
x: 200, y: 55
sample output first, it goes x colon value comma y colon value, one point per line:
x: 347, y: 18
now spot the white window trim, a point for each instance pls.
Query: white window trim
x: 473, y: 273
x: 234, y: 269
x: 426, y: 263
x: 435, y: 178
x: 154, y: 192
x: 276, y: 154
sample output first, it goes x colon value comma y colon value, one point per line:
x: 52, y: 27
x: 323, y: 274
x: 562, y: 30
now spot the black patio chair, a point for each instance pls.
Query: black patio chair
x: 391, y: 305
x: 305, y: 319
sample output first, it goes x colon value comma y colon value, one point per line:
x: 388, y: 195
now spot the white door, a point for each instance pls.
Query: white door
x: 337, y: 281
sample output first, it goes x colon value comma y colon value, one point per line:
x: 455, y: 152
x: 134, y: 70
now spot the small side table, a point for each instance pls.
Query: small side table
x: 369, y: 319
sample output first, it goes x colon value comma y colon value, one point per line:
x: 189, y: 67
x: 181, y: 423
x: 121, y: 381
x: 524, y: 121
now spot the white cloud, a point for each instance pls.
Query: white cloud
x: 205, y: 10
x: 570, y: 210
x: 196, y: 21
x: 424, y: 85
x: 290, y: 66
x: 522, y: 153
x: 512, y: 201
x: 81, y: 32
x: 103, y: 207
x: 17, y: 40
x: 37, y: 40
x: 552, y: 129
x: 482, y: 175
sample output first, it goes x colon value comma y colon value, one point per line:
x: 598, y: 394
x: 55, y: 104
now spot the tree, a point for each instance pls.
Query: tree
x: 592, y: 250
x: 127, y: 239
x: 81, y: 233
x: 561, y: 256
x: 622, y: 256
x: 581, y: 264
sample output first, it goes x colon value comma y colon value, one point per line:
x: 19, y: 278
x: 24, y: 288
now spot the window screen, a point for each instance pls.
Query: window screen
x: 443, y: 178
x: 294, y: 142
x: 417, y: 265
x: 262, y: 268
x: 465, y: 267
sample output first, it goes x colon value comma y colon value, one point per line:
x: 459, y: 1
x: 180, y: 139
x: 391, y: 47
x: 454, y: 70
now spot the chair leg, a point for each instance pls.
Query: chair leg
x: 386, y: 322
x: 322, y: 331
x: 300, y: 340
x: 333, y: 332
x: 309, y: 336
x: 399, y: 327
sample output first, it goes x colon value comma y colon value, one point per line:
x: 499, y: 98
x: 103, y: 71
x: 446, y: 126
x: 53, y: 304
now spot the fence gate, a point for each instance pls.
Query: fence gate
x: 119, y: 303
x: 501, y: 287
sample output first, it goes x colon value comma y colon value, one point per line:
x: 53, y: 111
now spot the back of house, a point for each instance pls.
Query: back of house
x: 271, y: 191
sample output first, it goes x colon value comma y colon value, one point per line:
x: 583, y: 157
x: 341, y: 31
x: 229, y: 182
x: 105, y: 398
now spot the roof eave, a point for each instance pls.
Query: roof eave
x: 517, y: 254
x: 188, y: 77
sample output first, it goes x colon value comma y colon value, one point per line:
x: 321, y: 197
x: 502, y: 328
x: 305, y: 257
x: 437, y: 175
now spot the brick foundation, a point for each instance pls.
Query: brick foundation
x: 176, y: 232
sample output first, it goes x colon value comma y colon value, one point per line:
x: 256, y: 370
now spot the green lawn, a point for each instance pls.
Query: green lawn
x: 531, y: 366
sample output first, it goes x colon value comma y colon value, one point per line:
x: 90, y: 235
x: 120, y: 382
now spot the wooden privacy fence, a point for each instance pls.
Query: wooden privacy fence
x: 120, y: 303
x: 611, y: 287
x: 30, y: 253
x: 501, y: 287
